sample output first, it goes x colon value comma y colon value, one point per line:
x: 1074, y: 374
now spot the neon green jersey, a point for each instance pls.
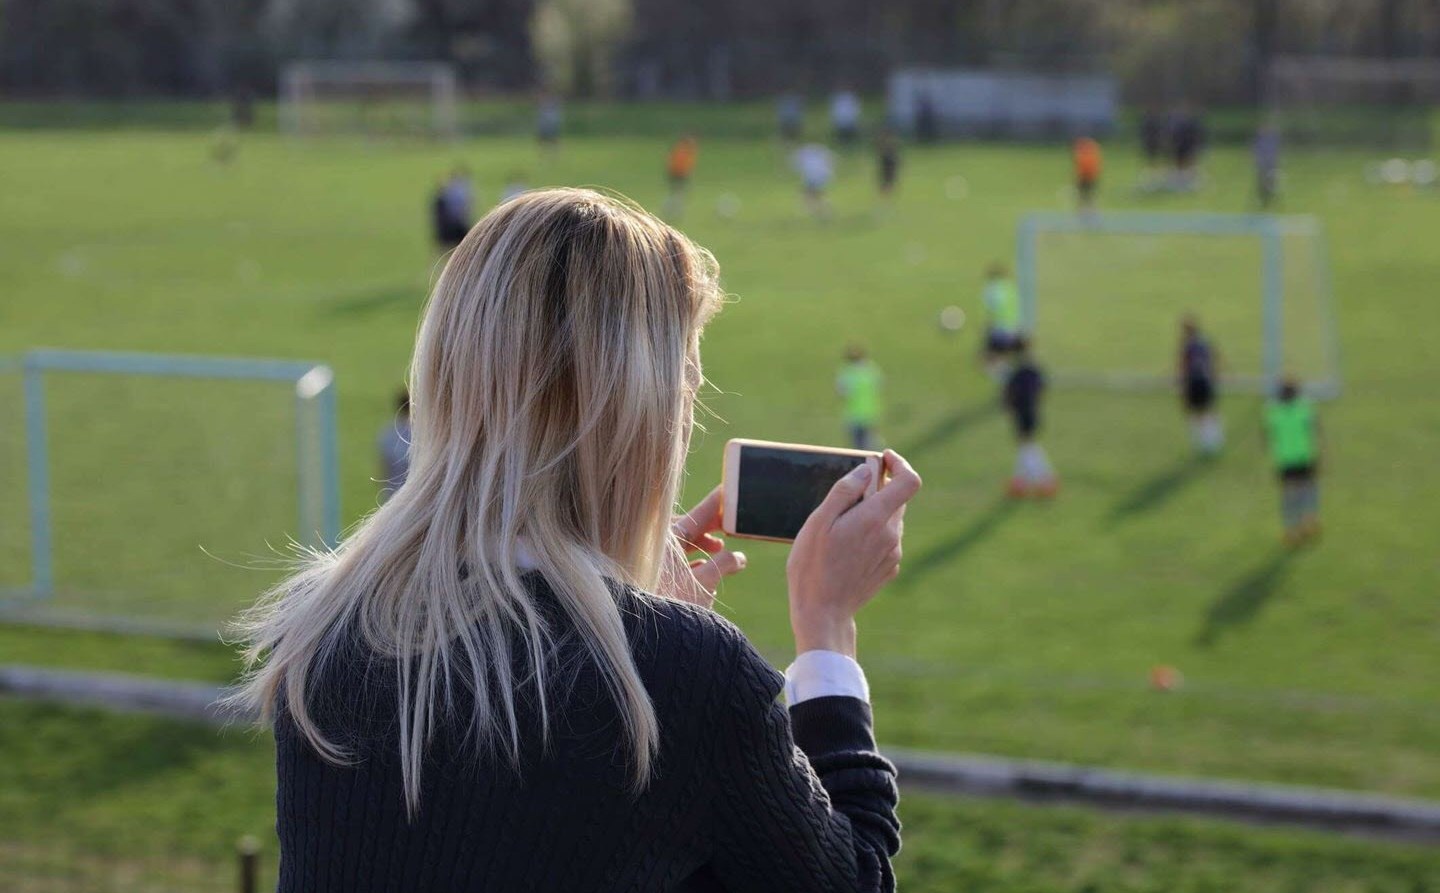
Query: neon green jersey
x: 859, y: 385
x: 1002, y: 304
x: 1291, y: 432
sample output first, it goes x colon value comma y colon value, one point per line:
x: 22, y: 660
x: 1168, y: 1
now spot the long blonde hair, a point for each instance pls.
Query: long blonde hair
x: 552, y: 385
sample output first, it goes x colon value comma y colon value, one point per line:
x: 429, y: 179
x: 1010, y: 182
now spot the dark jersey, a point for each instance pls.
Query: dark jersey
x: 1197, y: 360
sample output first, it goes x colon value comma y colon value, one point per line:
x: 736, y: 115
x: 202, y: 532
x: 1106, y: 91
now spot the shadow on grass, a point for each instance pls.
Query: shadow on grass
x: 117, y: 752
x: 949, y: 426
x: 1153, y: 492
x: 374, y: 300
x: 1243, y: 601
x: 973, y: 534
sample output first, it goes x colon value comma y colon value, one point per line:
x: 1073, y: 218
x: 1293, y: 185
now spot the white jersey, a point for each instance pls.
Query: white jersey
x: 815, y: 163
x: 845, y: 109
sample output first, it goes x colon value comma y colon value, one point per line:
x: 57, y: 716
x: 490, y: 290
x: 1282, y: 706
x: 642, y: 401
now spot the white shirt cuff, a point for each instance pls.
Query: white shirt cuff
x: 823, y: 674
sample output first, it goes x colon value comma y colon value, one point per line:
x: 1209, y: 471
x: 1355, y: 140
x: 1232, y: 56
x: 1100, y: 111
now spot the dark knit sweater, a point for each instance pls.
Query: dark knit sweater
x: 747, y: 796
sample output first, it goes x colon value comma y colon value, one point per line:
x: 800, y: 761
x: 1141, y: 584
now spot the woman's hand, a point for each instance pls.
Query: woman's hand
x: 846, y: 551
x: 696, y: 580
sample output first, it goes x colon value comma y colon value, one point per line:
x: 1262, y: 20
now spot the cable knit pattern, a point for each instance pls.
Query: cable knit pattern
x: 747, y: 796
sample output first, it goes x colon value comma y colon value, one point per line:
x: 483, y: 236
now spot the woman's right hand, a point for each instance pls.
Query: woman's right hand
x: 847, y: 550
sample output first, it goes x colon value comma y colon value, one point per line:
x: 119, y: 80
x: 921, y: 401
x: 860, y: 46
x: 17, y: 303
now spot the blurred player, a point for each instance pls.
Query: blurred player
x: 394, y: 447
x: 451, y: 209
x: 1292, y: 432
x: 816, y: 166
x: 1002, y: 319
x: 845, y: 116
x: 887, y: 155
x: 1187, y: 139
x: 1266, y: 151
x: 549, y: 120
x: 859, y: 384
x: 1033, y: 475
x: 790, y: 116
x: 1198, y: 369
x: 1153, y: 131
x: 679, y: 165
x: 1088, y: 163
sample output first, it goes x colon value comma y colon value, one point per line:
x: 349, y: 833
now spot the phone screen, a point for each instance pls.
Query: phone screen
x: 779, y: 488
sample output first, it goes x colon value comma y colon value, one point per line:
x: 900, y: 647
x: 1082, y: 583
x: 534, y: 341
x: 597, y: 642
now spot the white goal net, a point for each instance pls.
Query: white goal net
x: 370, y: 98
x: 1341, y: 101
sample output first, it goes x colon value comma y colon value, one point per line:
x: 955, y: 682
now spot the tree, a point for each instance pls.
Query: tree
x: 576, y: 42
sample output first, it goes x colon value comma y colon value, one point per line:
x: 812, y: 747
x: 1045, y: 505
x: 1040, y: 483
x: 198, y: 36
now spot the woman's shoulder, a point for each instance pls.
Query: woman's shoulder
x: 672, y: 633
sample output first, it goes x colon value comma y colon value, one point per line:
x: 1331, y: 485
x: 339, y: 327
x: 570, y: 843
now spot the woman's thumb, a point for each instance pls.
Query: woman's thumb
x: 846, y: 492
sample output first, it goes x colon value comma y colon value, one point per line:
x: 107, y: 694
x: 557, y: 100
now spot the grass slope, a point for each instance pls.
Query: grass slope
x: 1020, y: 629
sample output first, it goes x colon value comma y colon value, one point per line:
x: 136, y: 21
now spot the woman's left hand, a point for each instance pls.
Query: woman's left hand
x: 695, y: 580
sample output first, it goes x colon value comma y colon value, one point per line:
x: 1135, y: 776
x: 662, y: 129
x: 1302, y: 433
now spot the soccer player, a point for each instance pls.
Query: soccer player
x: 1002, y: 319
x: 1292, y: 432
x: 451, y: 209
x: 790, y: 116
x: 1198, y: 368
x: 1033, y: 475
x: 1267, y: 163
x: 887, y: 154
x: 845, y: 116
x: 678, y: 167
x: 816, y: 165
x: 549, y: 119
x: 1153, y: 131
x: 1187, y: 138
x: 1088, y: 163
x: 859, y: 384
x: 394, y: 447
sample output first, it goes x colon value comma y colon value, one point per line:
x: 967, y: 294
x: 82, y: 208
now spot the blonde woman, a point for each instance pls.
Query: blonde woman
x: 508, y: 677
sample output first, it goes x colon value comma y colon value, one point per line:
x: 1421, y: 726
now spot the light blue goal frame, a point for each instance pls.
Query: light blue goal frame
x: 318, y: 460
x: 1270, y: 229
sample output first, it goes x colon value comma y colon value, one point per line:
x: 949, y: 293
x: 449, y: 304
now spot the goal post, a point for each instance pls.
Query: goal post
x: 1104, y: 294
x: 1354, y: 101
x: 372, y: 98
x: 134, y: 464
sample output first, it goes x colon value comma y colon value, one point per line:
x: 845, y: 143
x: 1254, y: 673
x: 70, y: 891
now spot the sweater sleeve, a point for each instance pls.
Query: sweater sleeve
x: 803, y: 800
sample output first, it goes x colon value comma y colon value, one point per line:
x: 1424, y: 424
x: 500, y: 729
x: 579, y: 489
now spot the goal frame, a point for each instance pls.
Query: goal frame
x: 315, y: 443
x: 1301, y: 90
x: 298, y: 79
x: 1269, y: 229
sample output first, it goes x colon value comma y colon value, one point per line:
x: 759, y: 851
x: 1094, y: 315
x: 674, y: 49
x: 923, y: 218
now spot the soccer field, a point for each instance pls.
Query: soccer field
x: 1022, y: 629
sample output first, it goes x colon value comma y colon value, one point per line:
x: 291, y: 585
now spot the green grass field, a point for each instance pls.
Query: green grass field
x: 1025, y: 629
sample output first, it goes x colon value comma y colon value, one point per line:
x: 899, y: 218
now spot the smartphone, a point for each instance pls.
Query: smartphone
x: 771, y: 488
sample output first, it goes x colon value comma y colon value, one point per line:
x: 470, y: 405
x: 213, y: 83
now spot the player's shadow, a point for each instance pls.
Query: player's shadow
x: 974, y: 533
x: 1243, y: 601
x: 376, y: 299
x: 1151, y: 493
x: 949, y: 426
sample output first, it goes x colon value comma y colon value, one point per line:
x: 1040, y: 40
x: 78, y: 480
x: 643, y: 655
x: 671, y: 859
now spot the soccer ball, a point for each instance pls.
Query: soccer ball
x: 1395, y: 171
x: 951, y: 319
x: 957, y: 188
x: 727, y: 206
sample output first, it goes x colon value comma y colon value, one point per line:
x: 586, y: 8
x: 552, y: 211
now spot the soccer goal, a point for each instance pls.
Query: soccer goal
x: 370, y: 98
x: 1339, y: 101
x: 159, y: 494
x: 1104, y: 295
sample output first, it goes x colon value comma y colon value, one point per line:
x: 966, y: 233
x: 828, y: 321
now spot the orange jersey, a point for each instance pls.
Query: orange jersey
x: 1087, y: 159
x: 682, y: 158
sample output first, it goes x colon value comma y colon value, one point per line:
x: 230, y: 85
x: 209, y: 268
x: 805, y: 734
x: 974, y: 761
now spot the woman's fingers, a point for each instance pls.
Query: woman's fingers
x: 709, y: 572
x: 704, y: 518
x: 904, y: 483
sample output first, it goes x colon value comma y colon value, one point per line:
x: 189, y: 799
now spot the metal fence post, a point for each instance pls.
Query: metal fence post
x: 248, y: 851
